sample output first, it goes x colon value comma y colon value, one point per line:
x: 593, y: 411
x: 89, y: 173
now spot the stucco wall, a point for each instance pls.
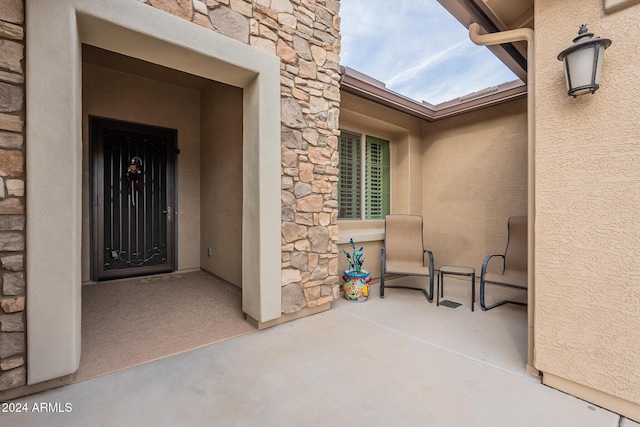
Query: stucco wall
x: 465, y: 175
x: 120, y: 96
x: 405, y: 135
x: 587, y: 252
x: 221, y: 173
x: 475, y: 177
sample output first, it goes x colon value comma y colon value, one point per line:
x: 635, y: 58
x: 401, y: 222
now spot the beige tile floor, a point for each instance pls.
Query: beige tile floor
x: 394, y: 362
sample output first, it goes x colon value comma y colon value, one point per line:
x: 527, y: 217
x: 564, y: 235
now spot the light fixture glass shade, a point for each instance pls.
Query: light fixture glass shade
x: 583, y: 63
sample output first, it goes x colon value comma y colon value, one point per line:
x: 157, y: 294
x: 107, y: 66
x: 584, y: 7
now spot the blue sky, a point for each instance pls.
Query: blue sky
x: 417, y: 49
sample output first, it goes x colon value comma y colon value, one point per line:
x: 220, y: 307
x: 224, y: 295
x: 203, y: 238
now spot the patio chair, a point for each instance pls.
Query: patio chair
x: 514, y: 263
x: 403, y: 252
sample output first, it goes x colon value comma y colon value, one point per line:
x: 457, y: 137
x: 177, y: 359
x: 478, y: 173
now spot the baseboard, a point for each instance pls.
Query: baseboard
x: 25, y: 390
x: 288, y: 317
x: 532, y: 371
x: 612, y: 403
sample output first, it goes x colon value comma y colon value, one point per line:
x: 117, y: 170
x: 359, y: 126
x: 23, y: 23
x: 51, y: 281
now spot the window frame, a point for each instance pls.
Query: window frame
x: 363, y: 143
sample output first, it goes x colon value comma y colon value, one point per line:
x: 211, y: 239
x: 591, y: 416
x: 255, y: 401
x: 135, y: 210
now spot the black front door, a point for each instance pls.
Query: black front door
x: 133, y: 198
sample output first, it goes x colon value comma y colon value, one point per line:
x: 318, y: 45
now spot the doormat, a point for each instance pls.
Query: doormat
x: 450, y: 304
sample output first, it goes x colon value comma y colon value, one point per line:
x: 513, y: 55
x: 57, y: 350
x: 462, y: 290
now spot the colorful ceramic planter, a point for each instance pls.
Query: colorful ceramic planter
x: 356, y: 285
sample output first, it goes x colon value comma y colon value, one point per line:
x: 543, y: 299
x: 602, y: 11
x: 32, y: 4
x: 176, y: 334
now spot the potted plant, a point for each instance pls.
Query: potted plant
x: 356, y: 279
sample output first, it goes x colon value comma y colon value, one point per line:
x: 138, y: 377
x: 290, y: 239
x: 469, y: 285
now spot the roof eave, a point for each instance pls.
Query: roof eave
x: 361, y: 85
x: 513, y: 55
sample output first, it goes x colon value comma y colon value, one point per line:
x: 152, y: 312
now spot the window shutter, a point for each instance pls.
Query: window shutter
x: 349, y: 178
x: 377, y: 180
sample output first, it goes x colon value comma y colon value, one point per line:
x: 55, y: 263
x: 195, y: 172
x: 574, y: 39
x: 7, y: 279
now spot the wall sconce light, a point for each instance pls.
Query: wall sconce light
x: 583, y: 62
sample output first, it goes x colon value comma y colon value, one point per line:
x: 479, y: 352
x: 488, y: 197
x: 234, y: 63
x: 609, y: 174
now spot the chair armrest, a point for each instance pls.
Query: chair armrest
x: 383, y: 260
x: 430, y: 260
x: 485, y: 263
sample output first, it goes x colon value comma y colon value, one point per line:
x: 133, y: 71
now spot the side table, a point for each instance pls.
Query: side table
x: 457, y: 271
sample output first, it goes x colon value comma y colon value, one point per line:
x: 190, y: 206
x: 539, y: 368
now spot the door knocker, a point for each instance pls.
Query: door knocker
x: 134, y: 176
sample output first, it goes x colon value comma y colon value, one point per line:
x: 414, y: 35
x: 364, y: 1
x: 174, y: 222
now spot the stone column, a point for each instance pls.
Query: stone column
x: 308, y: 44
x: 12, y: 214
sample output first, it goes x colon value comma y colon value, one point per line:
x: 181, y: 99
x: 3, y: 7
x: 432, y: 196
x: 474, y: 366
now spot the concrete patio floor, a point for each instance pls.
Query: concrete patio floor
x: 399, y: 361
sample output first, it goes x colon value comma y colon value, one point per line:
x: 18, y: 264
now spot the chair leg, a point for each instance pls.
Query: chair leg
x: 484, y: 307
x: 428, y: 295
x: 473, y: 291
x: 383, y: 261
x: 498, y: 304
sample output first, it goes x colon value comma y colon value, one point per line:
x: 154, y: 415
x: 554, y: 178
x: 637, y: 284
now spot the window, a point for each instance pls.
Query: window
x: 371, y: 200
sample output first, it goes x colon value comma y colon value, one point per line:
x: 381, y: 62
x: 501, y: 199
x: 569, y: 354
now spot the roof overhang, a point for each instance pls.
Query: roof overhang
x: 367, y: 87
x: 495, y: 16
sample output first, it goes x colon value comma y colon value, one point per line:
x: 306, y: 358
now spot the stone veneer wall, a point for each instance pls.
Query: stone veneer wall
x: 305, y: 35
x: 12, y: 211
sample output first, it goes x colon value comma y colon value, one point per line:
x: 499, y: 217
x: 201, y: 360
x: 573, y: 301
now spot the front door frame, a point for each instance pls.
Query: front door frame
x: 97, y: 126
x: 54, y: 160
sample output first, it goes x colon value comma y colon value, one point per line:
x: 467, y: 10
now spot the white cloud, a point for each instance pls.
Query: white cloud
x: 417, y: 48
x: 427, y: 63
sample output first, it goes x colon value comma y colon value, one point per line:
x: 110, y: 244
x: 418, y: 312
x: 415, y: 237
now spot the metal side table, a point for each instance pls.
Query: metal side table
x: 457, y: 271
